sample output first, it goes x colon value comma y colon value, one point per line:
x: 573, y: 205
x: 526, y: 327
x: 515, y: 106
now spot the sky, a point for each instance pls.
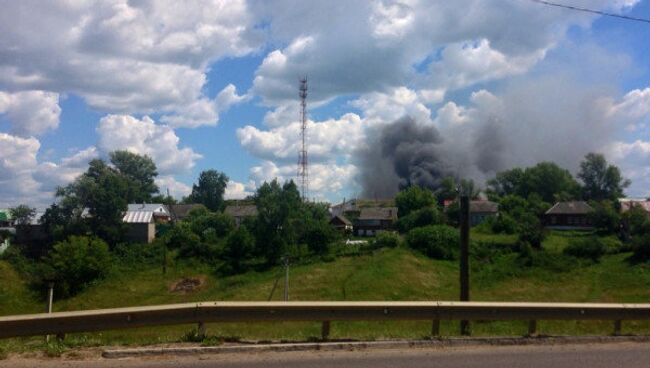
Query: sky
x: 200, y: 85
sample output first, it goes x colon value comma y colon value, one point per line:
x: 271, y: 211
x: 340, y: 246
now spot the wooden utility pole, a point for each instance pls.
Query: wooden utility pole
x: 286, y: 278
x: 464, y: 256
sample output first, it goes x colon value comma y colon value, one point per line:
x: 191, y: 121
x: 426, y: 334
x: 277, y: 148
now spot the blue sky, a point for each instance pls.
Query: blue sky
x: 213, y: 85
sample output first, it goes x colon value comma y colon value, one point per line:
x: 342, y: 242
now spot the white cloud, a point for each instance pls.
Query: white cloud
x: 237, y: 190
x: 466, y: 63
x: 144, y: 136
x: 119, y: 55
x: 176, y: 188
x: 326, y: 180
x: 396, y: 103
x: 204, y: 111
x: 31, y: 112
x: 326, y: 140
x: 362, y: 47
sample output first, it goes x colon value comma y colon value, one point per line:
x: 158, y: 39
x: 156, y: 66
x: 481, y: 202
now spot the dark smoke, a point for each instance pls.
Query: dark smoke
x: 401, y: 154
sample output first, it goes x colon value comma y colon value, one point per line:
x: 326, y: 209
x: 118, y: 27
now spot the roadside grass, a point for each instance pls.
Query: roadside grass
x: 385, y: 274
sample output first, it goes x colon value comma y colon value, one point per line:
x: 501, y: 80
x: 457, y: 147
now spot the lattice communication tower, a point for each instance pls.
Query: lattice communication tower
x: 303, y: 163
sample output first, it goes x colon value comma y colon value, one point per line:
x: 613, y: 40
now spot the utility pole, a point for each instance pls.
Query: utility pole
x: 464, y: 255
x: 286, y: 278
x: 50, y: 300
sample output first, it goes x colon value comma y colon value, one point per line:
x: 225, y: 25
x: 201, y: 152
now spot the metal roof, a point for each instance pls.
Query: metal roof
x: 156, y: 208
x: 570, y: 208
x: 138, y: 217
x: 378, y: 213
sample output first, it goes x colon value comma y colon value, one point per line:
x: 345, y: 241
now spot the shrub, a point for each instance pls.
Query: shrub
x: 531, y: 230
x: 77, y: 262
x: 503, y: 224
x: 140, y: 253
x: 318, y: 236
x: 386, y: 239
x: 605, y: 217
x: 435, y: 241
x: 590, y: 248
x: 419, y: 218
x: 641, y: 248
x: 238, y: 251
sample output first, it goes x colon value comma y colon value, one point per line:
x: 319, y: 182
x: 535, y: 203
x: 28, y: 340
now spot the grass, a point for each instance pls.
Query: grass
x: 386, y: 274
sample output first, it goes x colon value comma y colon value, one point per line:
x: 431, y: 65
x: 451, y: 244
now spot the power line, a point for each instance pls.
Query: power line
x: 585, y: 10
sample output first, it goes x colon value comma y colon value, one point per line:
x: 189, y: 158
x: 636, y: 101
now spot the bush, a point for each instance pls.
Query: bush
x: 138, y: 254
x: 641, y: 248
x: 75, y: 263
x: 386, y: 239
x: 318, y: 236
x: 605, y: 217
x: 419, y: 218
x: 590, y: 248
x: 435, y: 241
x: 238, y: 251
x: 531, y: 231
x: 503, y: 224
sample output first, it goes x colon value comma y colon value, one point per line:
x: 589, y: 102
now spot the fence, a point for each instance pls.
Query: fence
x: 119, y: 318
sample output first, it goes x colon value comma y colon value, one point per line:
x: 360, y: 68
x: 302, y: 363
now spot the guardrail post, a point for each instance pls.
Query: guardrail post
x: 617, y: 327
x: 201, y: 332
x: 532, y: 327
x: 50, y: 299
x: 325, y: 330
x: 435, y: 328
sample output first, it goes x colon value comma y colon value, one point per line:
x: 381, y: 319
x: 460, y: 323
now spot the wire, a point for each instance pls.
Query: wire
x: 571, y: 7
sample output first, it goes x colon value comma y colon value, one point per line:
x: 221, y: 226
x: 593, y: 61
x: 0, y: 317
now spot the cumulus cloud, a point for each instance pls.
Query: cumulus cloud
x: 144, y: 136
x: 123, y: 56
x: 326, y: 179
x: 385, y: 40
x: 176, y: 188
x: 327, y: 139
x: 237, y: 190
x: 204, y: 111
x: 30, y: 113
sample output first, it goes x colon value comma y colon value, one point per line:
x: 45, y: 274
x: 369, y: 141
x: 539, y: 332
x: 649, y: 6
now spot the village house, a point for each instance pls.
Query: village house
x: 180, y: 212
x: 373, y: 220
x: 241, y: 212
x: 573, y: 215
x: 481, y: 210
x: 159, y: 211
x: 628, y: 203
x: 341, y: 224
x: 141, y: 220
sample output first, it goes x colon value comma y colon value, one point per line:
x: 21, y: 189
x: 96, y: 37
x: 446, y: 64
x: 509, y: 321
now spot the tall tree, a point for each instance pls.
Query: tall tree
x: 545, y: 179
x: 601, y: 180
x: 140, y: 172
x: 209, y: 189
x: 22, y: 214
x: 413, y: 198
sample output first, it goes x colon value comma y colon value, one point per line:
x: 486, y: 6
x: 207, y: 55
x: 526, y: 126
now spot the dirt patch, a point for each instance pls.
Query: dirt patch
x: 187, y: 285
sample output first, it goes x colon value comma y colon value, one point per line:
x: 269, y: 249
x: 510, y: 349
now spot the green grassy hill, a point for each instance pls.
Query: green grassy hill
x: 386, y: 274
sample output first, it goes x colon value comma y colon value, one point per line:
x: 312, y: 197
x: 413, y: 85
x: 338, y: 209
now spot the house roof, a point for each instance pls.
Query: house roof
x: 341, y: 218
x: 158, y: 209
x: 378, y: 213
x: 570, y: 208
x: 247, y: 210
x: 483, y: 206
x: 181, y: 211
x: 138, y: 217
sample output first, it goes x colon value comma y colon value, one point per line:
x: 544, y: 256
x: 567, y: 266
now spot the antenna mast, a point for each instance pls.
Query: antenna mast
x: 303, y: 167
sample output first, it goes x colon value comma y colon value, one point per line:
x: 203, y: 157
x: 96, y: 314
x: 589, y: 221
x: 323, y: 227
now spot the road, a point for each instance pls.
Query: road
x: 628, y: 355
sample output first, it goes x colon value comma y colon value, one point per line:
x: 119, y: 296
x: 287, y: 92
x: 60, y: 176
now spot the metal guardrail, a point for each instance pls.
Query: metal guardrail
x: 119, y: 318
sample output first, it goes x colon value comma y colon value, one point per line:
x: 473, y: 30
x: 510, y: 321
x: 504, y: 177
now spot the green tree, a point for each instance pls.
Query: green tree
x: 239, y: 250
x: 22, y: 214
x: 278, y: 220
x: 545, y: 179
x: 140, y: 173
x: 75, y: 263
x: 600, y: 179
x: 413, y: 198
x: 605, y: 217
x: 509, y: 182
x: 209, y: 189
x: 421, y: 217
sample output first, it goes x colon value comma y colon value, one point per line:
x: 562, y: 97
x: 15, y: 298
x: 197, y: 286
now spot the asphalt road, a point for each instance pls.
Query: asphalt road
x: 628, y: 355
